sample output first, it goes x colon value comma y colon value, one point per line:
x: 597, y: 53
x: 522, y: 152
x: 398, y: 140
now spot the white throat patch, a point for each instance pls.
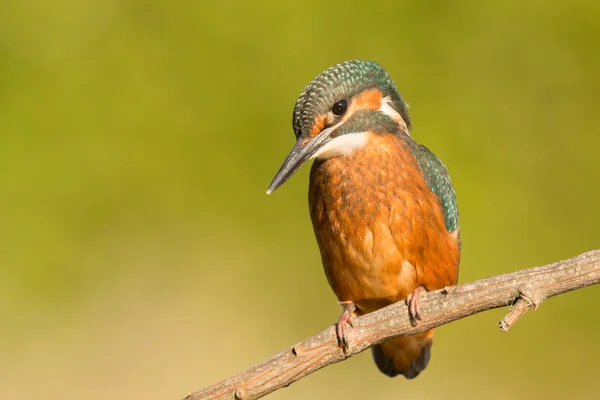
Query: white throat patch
x: 342, y: 145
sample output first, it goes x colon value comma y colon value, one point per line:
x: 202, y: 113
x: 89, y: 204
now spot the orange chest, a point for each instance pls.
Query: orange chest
x: 379, y: 227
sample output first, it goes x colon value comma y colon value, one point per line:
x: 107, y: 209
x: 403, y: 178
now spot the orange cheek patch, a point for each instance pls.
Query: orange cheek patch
x: 318, y: 126
x: 368, y: 100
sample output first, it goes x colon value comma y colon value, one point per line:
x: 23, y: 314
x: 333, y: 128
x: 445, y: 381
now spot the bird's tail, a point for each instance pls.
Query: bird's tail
x: 406, y: 355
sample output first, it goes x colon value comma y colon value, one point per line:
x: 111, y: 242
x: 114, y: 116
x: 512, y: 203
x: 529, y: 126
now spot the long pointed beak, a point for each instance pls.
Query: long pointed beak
x: 301, y: 152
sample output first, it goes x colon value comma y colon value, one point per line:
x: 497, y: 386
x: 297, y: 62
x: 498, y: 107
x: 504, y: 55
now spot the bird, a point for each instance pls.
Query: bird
x: 383, y: 207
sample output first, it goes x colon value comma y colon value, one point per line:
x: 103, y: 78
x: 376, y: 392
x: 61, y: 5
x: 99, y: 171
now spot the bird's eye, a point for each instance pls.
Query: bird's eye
x: 340, y: 107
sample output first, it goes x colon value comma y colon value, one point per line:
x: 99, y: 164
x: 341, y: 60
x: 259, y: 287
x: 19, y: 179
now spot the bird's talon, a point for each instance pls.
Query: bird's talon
x: 344, y: 320
x: 414, y: 304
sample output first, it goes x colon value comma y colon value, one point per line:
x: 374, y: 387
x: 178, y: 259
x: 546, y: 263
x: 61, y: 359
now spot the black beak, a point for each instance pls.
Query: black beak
x: 302, y: 151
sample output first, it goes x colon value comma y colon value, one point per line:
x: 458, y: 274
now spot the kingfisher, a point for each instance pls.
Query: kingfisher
x: 382, y: 206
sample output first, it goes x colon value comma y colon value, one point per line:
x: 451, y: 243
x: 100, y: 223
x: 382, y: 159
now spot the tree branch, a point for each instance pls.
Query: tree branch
x: 523, y: 290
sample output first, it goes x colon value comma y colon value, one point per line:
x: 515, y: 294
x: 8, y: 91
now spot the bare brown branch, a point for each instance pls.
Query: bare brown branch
x: 524, y: 290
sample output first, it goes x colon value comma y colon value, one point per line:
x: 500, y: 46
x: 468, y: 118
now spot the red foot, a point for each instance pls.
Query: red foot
x: 344, y: 320
x: 414, y: 304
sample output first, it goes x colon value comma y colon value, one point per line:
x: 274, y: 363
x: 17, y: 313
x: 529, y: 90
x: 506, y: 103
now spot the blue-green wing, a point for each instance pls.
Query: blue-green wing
x: 438, y: 179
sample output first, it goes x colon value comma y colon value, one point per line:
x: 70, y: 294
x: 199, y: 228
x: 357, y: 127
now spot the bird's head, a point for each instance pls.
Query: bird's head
x: 336, y: 110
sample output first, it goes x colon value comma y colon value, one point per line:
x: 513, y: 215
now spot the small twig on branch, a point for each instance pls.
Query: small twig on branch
x: 524, y: 289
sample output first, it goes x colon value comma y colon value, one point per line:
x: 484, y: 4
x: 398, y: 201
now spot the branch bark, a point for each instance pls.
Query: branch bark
x: 523, y: 290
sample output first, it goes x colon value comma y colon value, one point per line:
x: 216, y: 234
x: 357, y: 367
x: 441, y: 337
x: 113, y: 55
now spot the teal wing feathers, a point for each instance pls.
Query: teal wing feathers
x: 439, y: 181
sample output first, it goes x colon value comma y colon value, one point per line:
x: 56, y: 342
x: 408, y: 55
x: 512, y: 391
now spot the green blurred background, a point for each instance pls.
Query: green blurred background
x: 140, y: 257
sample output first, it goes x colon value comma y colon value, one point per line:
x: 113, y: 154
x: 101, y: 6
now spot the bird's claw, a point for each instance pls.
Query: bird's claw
x: 414, y: 304
x: 341, y: 328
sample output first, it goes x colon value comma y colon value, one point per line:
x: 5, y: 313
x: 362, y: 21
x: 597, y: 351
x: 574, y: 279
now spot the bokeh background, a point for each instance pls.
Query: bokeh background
x: 140, y: 257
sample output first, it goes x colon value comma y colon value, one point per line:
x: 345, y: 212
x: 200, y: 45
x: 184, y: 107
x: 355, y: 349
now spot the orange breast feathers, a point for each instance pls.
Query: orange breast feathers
x: 379, y: 227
